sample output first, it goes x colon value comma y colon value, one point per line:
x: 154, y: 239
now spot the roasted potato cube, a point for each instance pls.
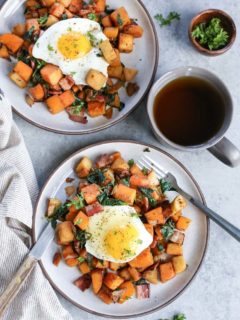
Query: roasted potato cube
x: 128, y: 290
x: 176, y: 216
x: 155, y: 216
x: 120, y: 17
x: 109, y: 176
x: 124, y: 273
x: 151, y: 276
x: 135, y: 274
x: 65, y: 3
x: 174, y: 249
x: 111, y: 32
x: 100, y: 5
x: 19, y: 29
x: 51, y: 20
x: 84, y: 267
x: 84, y: 167
x: 96, y: 79
x: 166, y: 271
x: 104, y: 296
x: 57, y: 9
x: 106, y: 21
x: 96, y: 108
x: 178, y: 204
x: 97, y: 279
x: 179, y: 264
x: 32, y: 24
x: 108, y: 51
x: 17, y: 79
x: 125, y: 43
x: 120, y: 165
x: 124, y: 193
x: 129, y: 74
x: 115, y: 72
x: 134, y: 29
x: 112, y: 280
x: 53, y: 204
x: 116, y: 62
x: 183, y: 223
x: 64, y: 232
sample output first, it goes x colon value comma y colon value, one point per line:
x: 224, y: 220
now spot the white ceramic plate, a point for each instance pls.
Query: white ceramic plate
x: 144, y: 58
x: 195, y: 243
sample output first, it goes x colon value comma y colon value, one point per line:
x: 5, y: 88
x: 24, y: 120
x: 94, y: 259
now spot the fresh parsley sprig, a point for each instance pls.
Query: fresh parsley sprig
x: 173, y: 15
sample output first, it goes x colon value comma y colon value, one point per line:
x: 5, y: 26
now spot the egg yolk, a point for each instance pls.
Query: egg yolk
x: 73, y: 45
x: 121, y: 242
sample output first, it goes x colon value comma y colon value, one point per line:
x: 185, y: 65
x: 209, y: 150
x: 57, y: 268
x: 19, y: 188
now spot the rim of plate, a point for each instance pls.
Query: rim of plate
x: 190, y: 280
x: 108, y: 125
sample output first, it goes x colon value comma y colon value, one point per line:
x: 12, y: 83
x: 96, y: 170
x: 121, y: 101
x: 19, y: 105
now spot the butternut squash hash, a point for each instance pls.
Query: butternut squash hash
x: 68, y: 55
x: 118, y: 228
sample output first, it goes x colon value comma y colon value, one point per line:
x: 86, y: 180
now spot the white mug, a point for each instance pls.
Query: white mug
x: 218, y: 145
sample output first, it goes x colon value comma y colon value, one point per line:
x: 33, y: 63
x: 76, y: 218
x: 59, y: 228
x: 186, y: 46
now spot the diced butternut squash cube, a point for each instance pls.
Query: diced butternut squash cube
x: 115, y: 72
x: 55, y: 104
x: 139, y: 181
x: 19, y: 29
x: 75, y: 6
x: 81, y: 220
x: 51, y: 74
x: 114, y: 266
x: 125, y: 43
x: 37, y: 92
x: 65, y: 232
x: 116, y: 62
x: 135, y: 274
x: 96, y: 79
x: 90, y: 193
x: 143, y: 260
x: 135, y: 170
x: 129, y: 74
x: 17, y: 80
x: 108, y: 51
x: 179, y: 264
x: 67, y: 252
x: 176, y: 216
x: 32, y: 24
x: 100, y: 5
x: 84, y: 267
x: 4, y: 52
x: 124, y: 273
x: 106, y: 298
x: 65, y: 3
x: 111, y: 32
x: 23, y: 70
x: 183, y: 223
x: 166, y: 271
x: 97, y: 279
x: 174, y: 249
x: 57, y: 258
x: 96, y: 108
x: 72, y: 262
x: 11, y: 41
x: 134, y: 29
x: 155, y: 216
x: 84, y: 167
x: 149, y: 228
x: 48, y: 3
x: 106, y: 21
x: 124, y: 193
x: 102, y: 264
x: 57, y: 9
x: 120, y: 17
x: 128, y: 291
x: 67, y: 98
x: 112, y: 280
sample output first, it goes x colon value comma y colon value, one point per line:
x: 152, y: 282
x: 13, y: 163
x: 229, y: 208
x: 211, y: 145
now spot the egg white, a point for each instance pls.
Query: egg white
x: 77, y: 68
x: 110, y: 218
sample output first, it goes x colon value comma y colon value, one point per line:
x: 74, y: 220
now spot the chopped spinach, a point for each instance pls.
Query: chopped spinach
x: 119, y: 20
x: 106, y: 201
x: 92, y: 38
x: 82, y: 236
x: 146, y: 150
x: 96, y: 176
x: 92, y: 16
x: 126, y: 181
x: 64, y: 16
x: 167, y: 229
x: 29, y: 34
x: 77, y: 202
x: 131, y: 162
x: 43, y: 20
x: 59, y: 213
x: 81, y: 259
x: 160, y: 246
x: 165, y: 185
x: 148, y: 193
x: 145, y: 171
x: 140, y: 282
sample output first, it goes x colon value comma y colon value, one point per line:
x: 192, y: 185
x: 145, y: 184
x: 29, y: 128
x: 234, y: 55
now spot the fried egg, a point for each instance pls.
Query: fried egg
x: 73, y: 45
x: 117, y: 234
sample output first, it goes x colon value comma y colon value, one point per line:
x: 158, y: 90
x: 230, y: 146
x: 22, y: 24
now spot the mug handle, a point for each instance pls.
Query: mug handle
x: 226, y: 152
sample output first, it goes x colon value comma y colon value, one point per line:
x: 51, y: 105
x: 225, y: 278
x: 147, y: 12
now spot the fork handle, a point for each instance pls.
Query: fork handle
x: 16, y: 283
x: 227, y: 226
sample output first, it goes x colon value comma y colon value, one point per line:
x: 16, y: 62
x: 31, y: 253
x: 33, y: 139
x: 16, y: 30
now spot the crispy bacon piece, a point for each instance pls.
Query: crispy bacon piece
x: 66, y: 83
x: 76, y: 245
x: 143, y: 291
x: 177, y: 237
x: 79, y: 117
x: 93, y: 209
x: 84, y: 282
x: 124, y: 174
x: 145, y: 206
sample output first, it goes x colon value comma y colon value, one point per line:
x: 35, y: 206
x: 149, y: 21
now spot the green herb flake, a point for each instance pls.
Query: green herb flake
x: 173, y: 15
x: 179, y: 316
x: 139, y: 241
x: 92, y: 39
x: 165, y: 185
x: 148, y: 193
x: 82, y: 236
x: 79, y: 221
x: 145, y: 171
x: 160, y: 246
x: 77, y: 202
x: 96, y: 176
x: 92, y: 16
x: 211, y: 34
x: 28, y: 35
x: 81, y: 259
x: 126, y: 181
x: 140, y: 282
x: 130, y: 162
x: 50, y: 48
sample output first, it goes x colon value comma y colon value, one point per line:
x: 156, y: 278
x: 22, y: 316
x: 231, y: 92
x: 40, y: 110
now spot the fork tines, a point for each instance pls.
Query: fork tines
x: 148, y: 163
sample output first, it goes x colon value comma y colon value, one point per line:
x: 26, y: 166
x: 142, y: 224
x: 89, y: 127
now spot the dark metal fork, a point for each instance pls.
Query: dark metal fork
x: 147, y: 162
